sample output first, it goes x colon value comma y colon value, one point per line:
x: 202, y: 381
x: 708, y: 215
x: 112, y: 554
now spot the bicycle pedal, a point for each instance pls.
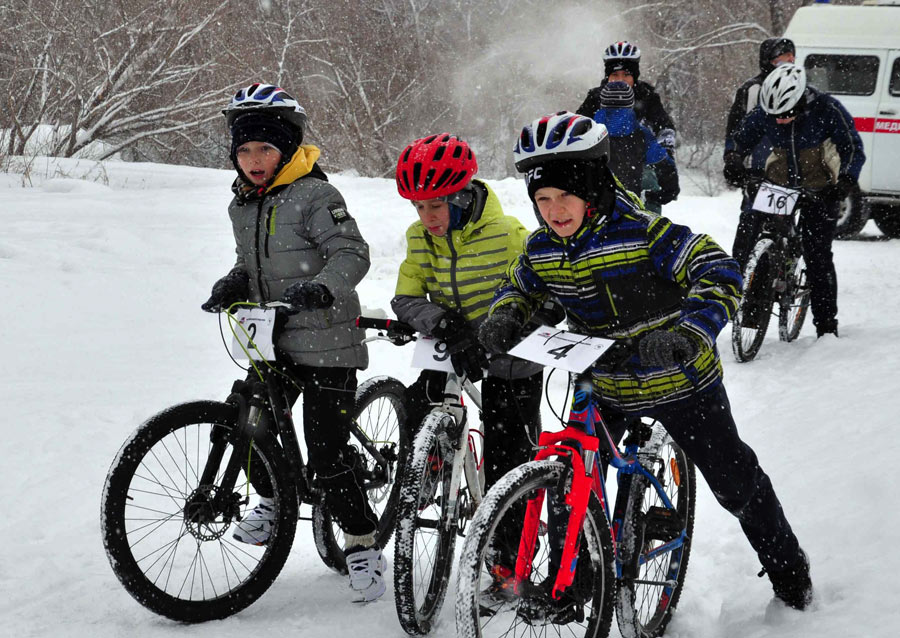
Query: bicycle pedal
x: 662, y: 524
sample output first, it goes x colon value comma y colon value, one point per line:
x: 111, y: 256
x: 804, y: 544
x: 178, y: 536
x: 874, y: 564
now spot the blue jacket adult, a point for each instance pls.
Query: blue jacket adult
x: 813, y: 151
x: 634, y: 146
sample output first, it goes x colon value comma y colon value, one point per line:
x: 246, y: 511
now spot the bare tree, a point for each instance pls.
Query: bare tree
x: 117, y: 73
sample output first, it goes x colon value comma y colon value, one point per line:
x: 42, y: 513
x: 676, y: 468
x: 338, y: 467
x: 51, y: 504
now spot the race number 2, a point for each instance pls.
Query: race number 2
x: 253, y: 334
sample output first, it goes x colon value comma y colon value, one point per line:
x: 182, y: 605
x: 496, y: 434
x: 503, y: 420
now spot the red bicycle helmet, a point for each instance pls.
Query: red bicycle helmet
x: 435, y: 166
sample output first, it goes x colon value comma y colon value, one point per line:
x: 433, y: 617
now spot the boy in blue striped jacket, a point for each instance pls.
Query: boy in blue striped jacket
x: 623, y: 273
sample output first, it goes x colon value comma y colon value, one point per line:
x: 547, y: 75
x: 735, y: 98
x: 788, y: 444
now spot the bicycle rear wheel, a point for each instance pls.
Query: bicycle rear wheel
x: 752, y: 318
x: 381, y: 418
x: 426, y: 528
x: 168, y: 544
x: 794, y: 306
x: 584, y: 609
x: 652, y: 578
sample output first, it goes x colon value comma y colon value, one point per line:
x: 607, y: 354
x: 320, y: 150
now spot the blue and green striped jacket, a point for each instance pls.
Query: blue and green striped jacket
x: 623, y: 274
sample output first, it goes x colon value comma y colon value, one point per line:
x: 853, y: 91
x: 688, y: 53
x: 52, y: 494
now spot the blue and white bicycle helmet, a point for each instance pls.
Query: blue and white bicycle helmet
x: 266, y: 98
x: 622, y: 51
x: 782, y: 92
x: 562, y: 135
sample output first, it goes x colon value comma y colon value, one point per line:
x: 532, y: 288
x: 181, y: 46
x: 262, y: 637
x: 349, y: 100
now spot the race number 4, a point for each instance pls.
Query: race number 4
x: 775, y: 200
x: 561, y: 349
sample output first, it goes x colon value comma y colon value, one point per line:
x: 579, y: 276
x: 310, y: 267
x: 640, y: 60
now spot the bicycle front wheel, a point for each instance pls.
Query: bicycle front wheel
x: 752, y: 318
x: 584, y: 609
x: 656, y: 540
x: 168, y: 535
x: 795, y: 305
x: 426, y: 527
x: 381, y: 418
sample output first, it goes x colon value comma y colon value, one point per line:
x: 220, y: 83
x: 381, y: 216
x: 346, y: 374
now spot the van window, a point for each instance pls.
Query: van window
x: 895, y: 78
x: 843, y: 74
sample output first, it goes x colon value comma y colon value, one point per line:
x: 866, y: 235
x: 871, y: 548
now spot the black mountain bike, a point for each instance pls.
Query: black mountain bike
x: 179, y: 485
x: 775, y: 273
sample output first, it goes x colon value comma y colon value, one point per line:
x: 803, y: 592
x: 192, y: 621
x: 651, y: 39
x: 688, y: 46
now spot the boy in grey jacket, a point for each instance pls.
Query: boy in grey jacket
x: 296, y: 242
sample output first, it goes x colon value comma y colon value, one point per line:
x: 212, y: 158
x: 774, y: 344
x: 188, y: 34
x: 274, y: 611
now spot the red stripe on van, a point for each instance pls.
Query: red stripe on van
x: 879, y: 125
x: 864, y: 124
x: 887, y: 126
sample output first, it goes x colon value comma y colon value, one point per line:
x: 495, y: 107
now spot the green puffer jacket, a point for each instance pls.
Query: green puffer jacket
x: 299, y: 230
x: 461, y: 271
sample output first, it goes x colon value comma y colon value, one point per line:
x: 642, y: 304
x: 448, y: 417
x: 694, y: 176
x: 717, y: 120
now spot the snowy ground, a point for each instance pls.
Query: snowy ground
x: 104, y: 281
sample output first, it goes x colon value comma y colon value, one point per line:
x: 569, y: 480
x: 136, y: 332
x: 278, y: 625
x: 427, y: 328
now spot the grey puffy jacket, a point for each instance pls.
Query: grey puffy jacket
x: 302, y: 231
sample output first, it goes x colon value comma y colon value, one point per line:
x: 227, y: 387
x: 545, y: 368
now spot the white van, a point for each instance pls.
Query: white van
x: 853, y: 52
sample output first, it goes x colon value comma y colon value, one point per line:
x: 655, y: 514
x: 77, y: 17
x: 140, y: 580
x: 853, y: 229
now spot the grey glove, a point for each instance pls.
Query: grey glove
x: 233, y: 287
x: 501, y: 331
x: 665, y: 348
x: 307, y: 295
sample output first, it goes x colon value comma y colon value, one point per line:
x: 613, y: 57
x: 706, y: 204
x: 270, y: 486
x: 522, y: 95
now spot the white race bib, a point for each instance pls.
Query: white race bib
x: 253, y: 334
x: 561, y: 349
x: 775, y: 200
x: 431, y: 354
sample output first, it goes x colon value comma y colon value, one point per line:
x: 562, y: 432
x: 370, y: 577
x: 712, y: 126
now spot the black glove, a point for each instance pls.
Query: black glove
x: 470, y: 361
x: 501, y: 331
x: 838, y: 192
x: 233, y: 287
x: 307, y: 295
x: 454, y: 330
x: 665, y: 348
x: 734, y: 172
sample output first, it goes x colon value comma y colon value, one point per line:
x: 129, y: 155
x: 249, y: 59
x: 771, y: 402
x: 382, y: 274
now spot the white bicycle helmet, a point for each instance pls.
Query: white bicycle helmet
x: 783, y: 89
x: 622, y: 51
x: 562, y: 135
x: 266, y: 97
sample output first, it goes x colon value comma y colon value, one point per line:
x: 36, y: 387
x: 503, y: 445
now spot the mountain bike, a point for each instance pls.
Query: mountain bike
x: 179, y: 484
x: 440, y: 490
x: 576, y: 559
x: 775, y: 273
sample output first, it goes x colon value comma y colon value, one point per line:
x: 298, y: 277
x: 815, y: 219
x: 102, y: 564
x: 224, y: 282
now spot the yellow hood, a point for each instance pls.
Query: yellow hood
x: 301, y: 164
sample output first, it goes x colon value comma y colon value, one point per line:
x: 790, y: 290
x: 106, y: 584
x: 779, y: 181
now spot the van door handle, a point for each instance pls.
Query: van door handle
x: 887, y: 112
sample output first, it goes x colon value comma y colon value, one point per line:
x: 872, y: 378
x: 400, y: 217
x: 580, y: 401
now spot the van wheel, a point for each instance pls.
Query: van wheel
x: 887, y: 218
x: 852, y: 216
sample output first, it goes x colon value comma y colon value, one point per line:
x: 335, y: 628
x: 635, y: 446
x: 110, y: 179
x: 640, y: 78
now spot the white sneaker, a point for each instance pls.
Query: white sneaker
x: 256, y: 527
x: 366, y: 566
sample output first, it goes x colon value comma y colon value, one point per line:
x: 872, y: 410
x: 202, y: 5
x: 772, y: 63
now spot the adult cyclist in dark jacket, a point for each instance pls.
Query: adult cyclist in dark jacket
x: 816, y: 148
x: 772, y: 52
x: 633, y: 147
x: 622, y: 63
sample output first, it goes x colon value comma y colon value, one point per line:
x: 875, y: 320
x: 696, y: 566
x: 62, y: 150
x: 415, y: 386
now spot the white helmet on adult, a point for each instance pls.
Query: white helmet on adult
x: 622, y: 51
x: 562, y: 135
x: 783, y: 90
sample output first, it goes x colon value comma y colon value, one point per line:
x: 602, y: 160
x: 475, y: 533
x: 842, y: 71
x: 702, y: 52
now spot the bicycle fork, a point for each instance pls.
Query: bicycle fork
x: 576, y: 498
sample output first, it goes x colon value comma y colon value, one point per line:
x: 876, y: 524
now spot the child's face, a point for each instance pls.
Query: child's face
x: 435, y: 215
x: 622, y: 76
x: 562, y: 211
x: 258, y: 161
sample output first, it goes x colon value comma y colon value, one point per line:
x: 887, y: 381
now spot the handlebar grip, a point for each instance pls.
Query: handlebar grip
x: 392, y: 326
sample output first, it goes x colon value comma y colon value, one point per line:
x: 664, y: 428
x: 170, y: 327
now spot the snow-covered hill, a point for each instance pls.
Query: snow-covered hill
x: 103, y: 283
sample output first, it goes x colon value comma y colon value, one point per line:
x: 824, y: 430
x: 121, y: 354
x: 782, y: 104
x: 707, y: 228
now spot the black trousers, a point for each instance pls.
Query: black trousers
x: 328, y: 404
x: 512, y: 423
x: 704, y: 428
x: 817, y: 225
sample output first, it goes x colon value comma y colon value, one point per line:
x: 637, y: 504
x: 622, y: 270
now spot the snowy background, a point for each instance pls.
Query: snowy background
x: 103, y: 278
